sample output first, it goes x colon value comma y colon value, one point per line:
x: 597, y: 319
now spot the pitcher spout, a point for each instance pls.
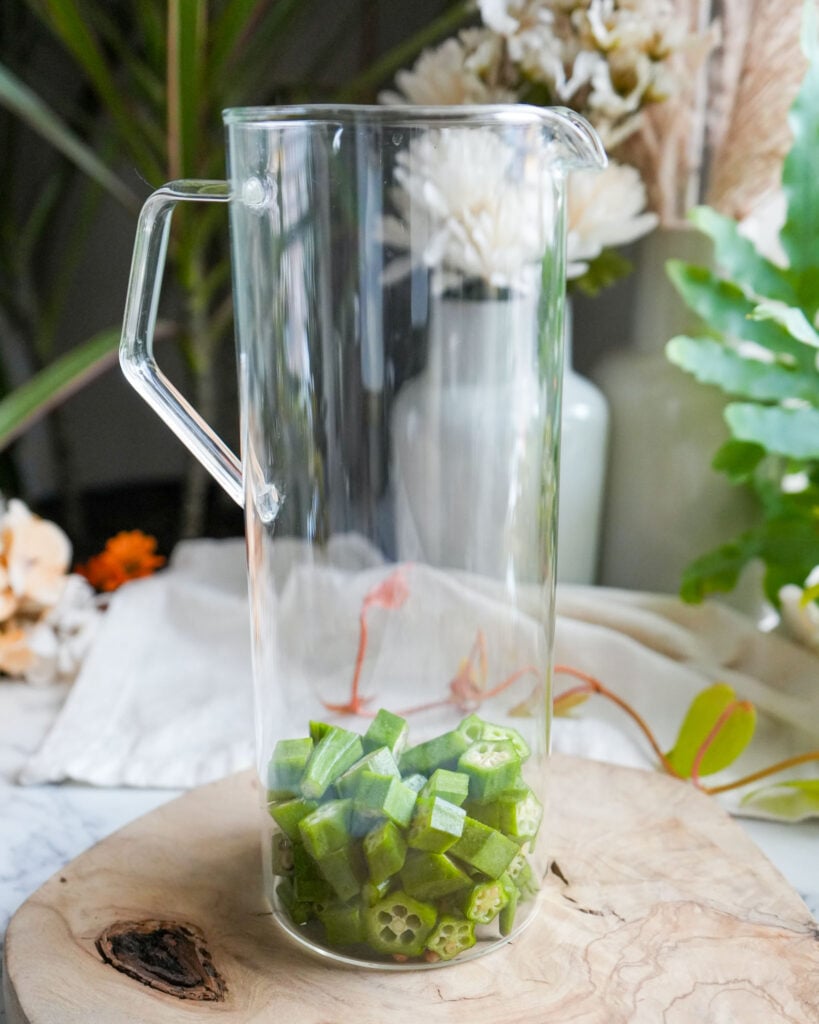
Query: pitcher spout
x: 574, y: 143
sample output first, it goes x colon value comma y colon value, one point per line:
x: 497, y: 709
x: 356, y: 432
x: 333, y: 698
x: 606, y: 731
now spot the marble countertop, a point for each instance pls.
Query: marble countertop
x: 43, y: 827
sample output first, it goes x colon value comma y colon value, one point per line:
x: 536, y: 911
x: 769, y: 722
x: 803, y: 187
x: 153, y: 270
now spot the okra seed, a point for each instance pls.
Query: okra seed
x: 384, y: 917
x: 407, y: 936
x: 413, y: 921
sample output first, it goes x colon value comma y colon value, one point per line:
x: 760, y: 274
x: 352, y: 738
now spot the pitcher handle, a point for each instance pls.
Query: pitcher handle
x: 136, y: 351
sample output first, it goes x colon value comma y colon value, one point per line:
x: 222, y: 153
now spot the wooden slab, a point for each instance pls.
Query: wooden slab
x: 658, y: 909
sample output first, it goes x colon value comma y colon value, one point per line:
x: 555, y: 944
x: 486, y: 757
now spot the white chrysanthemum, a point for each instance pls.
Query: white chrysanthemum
x: 469, y: 205
x: 463, y: 70
x: 605, y: 208
x: 61, y: 638
x: 800, y: 617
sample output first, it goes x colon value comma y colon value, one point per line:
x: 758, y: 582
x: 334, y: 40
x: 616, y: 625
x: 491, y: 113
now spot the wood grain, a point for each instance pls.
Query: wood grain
x: 657, y: 908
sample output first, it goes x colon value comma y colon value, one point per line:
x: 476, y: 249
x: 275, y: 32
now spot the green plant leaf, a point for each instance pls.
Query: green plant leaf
x: 789, y: 547
x: 51, y: 386
x: 701, y: 718
x: 603, y: 271
x: 738, y: 258
x: 792, y: 432
x: 738, y: 460
x: 801, y: 229
x: 187, y: 28
x: 791, y: 318
x: 16, y: 96
x: 718, y: 570
x: 725, y: 307
x: 713, y: 362
x: 793, y: 800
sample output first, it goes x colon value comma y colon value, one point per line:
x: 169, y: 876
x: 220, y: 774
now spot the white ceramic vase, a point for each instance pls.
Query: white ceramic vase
x: 664, y: 505
x: 583, y: 448
x: 467, y: 442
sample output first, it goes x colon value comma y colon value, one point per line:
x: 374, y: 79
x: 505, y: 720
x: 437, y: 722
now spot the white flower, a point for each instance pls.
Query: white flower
x: 60, y: 639
x: 463, y: 70
x: 605, y: 208
x: 34, y: 557
x: 800, y: 616
x: 470, y: 204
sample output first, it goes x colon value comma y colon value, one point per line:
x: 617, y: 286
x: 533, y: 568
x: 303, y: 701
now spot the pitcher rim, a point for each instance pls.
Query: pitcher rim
x: 322, y: 113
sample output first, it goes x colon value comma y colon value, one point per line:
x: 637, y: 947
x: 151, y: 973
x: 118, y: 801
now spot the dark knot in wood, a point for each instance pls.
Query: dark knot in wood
x: 164, y: 955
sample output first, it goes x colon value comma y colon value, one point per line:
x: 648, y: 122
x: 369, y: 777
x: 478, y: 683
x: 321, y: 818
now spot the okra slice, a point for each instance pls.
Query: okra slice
x: 372, y: 892
x: 286, y: 767
x: 385, y: 850
x: 484, y: 848
x: 326, y: 828
x: 436, y: 824
x: 486, y: 901
x: 452, y: 786
x: 521, y: 873
x: 384, y: 796
x: 345, y: 870
x: 289, y: 813
x: 343, y: 924
x: 519, y: 814
x: 429, y: 876
x: 451, y: 936
x: 334, y: 753
x: 282, y: 854
x: 379, y: 761
x: 299, y: 912
x: 309, y: 885
x: 399, y: 924
x: 476, y: 728
x: 506, y: 919
x: 415, y: 781
x: 387, y: 730
x: 440, y: 752
x: 493, y: 766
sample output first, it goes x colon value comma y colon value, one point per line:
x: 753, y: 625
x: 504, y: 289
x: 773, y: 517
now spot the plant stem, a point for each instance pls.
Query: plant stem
x: 597, y: 687
x: 763, y: 773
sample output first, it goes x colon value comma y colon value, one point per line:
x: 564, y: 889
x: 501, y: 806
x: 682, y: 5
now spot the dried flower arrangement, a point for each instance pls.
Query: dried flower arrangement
x: 609, y: 60
x: 48, y: 614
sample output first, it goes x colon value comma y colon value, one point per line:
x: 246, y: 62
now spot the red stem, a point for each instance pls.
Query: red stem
x: 708, y: 742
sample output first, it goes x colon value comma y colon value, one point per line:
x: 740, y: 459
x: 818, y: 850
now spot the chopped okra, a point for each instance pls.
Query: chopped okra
x: 400, y: 852
x: 452, y: 935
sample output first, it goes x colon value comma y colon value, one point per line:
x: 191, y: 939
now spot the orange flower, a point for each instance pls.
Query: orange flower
x: 127, y: 556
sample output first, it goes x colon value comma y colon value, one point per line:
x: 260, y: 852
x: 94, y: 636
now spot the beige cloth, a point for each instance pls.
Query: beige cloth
x: 165, y: 696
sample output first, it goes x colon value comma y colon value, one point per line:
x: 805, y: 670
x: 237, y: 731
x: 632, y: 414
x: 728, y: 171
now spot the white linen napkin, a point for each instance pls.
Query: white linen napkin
x: 165, y: 695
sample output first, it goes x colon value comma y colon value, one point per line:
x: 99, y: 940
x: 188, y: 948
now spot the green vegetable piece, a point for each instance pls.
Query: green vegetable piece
x: 521, y: 874
x: 300, y: 913
x: 519, y: 814
x: 384, y: 796
x: 345, y: 870
x: 343, y: 924
x: 428, y: 876
x: 484, y: 848
x: 415, y: 781
x: 309, y: 885
x: 506, y: 919
x: 387, y: 730
x: 318, y: 730
x: 475, y: 728
x: 282, y: 854
x: 334, y: 753
x: 327, y: 828
x: 493, y: 766
x: 451, y: 786
x: 399, y: 924
x: 289, y: 813
x: 451, y: 936
x: 436, y: 824
x: 372, y: 892
x: 286, y: 767
x: 379, y: 761
x: 486, y: 901
x: 384, y: 850
x: 440, y: 752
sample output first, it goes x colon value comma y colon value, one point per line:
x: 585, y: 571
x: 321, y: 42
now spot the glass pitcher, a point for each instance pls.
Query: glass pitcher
x: 399, y: 283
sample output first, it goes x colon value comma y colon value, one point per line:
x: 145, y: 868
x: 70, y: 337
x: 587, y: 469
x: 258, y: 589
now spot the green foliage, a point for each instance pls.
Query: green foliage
x: 759, y: 346
x: 603, y: 271
x: 715, y: 731
x: 794, y: 800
